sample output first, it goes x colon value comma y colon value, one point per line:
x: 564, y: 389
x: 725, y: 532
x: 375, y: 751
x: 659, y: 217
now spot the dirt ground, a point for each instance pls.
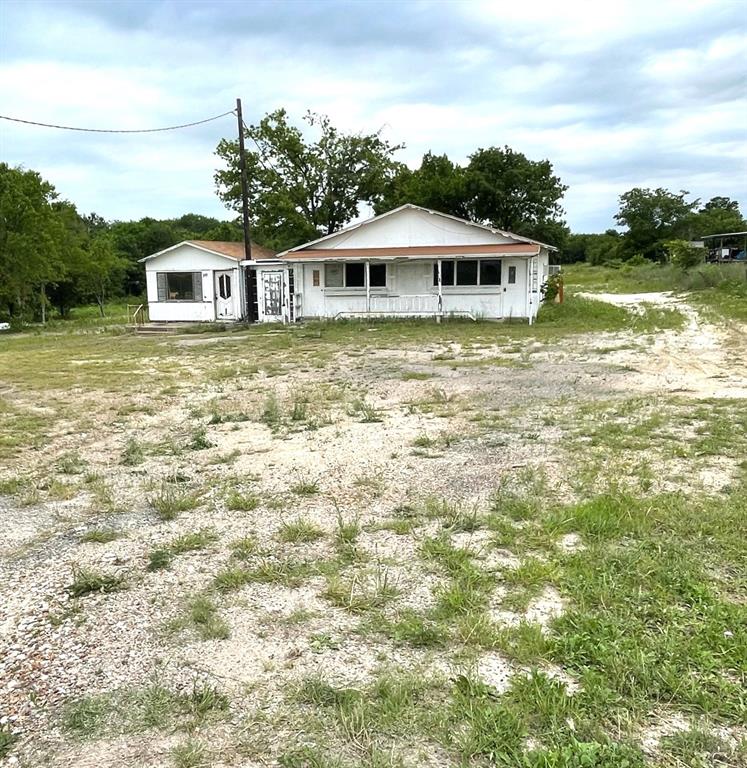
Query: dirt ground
x: 362, y: 436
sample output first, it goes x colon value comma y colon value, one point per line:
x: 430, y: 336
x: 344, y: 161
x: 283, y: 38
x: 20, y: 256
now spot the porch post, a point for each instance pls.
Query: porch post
x: 440, y: 292
x: 368, y: 287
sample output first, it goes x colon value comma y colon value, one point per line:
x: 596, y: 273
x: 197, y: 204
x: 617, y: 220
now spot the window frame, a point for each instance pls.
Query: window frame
x: 166, y: 276
x: 451, y: 265
x: 345, y: 287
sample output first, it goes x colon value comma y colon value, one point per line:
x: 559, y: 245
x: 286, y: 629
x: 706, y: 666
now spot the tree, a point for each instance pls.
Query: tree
x: 684, y: 255
x: 653, y: 216
x: 508, y: 191
x: 33, y: 237
x: 718, y: 216
x: 438, y: 184
x: 299, y: 189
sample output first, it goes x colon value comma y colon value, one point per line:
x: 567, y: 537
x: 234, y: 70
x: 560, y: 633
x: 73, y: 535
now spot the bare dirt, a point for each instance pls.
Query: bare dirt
x: 485, y: 425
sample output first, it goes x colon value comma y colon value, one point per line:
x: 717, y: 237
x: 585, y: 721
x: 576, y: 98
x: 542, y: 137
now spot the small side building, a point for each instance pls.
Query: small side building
x: 198, y: 281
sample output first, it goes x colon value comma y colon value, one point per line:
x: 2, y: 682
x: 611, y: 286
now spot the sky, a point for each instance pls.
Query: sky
x: 616, y: 95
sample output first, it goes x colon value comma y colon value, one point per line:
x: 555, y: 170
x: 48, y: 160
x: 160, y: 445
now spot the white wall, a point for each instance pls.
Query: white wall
x: 187, y: 258
x: 413, y: 279
x: 411, y: 227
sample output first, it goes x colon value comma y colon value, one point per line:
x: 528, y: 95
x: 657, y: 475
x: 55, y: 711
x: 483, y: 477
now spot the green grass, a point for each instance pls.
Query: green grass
x: 131, y: 710
x: 299, y: 531
x: 100, y: 535
x: 162, y: 557
x: 87, y: 581
x: 171, y: 499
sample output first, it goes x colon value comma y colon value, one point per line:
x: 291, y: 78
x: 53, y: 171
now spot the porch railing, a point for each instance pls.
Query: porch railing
x: 404, y: 305
x: 137, y: 314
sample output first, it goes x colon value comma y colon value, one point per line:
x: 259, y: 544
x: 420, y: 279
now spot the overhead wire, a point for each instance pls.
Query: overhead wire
x: 117, y: 130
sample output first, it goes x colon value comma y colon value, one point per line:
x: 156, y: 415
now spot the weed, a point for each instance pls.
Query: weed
x: 159, y: 559
x: 199, y: 440
x: 299, y: 531
x: 203, y: 613
x: 172, y: 499
x: 242, y: 502
x: 244, y: 548
x: 7, y: 739
x: 133, y: 453
x: 85, y: 581
x: 366, y: 411
x: 71, y: 464
x: 305, y: 487
x: 189, y: 754
x: 359, y: 595
x: 100, y: 535
x: 271, y: 412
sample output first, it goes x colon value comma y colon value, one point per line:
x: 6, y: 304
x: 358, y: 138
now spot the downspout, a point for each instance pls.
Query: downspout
x: 529, y: 292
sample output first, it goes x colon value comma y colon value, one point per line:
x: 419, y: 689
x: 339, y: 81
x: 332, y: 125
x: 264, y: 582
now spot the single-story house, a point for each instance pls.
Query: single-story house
x: 408, y: 262
x: 198, y: 281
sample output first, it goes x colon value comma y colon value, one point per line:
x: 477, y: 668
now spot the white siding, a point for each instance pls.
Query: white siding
x: 411, y: 227
x: 187, y: 258
x: 410, y: 286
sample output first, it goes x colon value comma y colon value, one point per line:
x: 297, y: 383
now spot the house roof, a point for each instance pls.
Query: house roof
x: 424, y: 251
x: 351, y: 227
x: 230, y: 250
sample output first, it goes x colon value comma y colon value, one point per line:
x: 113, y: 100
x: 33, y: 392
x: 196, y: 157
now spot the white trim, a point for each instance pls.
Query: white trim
x: 351, y: 227
x: 192, y: 245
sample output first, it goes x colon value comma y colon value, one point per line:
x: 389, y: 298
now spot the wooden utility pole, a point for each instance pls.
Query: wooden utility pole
x: 245, y: 214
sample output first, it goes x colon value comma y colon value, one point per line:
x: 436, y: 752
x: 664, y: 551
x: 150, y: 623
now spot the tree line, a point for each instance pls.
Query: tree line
x: 305, y: 183
x: 53, y: 257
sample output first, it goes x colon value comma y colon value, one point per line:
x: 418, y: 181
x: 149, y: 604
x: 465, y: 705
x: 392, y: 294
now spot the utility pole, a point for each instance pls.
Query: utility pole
x: 245, y: 214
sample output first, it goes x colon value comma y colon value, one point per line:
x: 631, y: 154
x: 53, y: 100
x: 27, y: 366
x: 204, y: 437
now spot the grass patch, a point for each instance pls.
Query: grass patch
x: 299, y: 531
x: 171, y: 499
x: 87, y: 581
x: 133, y: 710
x: 100, y: 535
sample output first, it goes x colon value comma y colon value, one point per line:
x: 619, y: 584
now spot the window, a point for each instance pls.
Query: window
x: 355, y: 275
x: 490, y: 272
x: 333, y: 276
x: 315, y: 278
x: 377, y: 275
x: 180, y: 286
x: 512, y: 275
x: 469, y: 272
x: 466, y: 273
x: 224, y: 286
x: 447, y: 273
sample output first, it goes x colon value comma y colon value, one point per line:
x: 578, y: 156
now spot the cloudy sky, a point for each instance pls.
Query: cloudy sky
x: 616, y: 95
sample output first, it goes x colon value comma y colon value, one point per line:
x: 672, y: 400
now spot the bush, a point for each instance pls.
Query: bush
x: 684, y: 255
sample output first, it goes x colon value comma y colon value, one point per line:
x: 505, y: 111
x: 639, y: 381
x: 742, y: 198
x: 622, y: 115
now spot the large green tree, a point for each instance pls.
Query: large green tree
x: 438, y: 183
x: 509, y: 191
x: 652, y: 217
x: 300, y: 189
x: 718, y: 216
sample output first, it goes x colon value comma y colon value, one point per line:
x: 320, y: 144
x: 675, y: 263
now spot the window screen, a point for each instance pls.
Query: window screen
x: 490, y: 272
x: 333, y: 275
x: 355, y: 275
x: 447, y: 273
x: 377, y: 275
x: 466, y: 273
x: 179, y: 286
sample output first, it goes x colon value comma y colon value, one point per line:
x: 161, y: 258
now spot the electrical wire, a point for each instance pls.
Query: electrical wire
x: 117, y: 130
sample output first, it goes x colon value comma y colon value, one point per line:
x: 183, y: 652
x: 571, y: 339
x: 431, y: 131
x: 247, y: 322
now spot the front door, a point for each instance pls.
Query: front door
x: 224, y: 290
x: 272, y: 295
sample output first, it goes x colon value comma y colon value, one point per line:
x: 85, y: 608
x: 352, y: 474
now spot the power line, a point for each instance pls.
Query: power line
x: 117, y: 130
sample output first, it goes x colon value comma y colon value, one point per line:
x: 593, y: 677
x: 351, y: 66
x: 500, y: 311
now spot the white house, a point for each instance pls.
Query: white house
x: 198, y: 281
x: 410, y: 261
